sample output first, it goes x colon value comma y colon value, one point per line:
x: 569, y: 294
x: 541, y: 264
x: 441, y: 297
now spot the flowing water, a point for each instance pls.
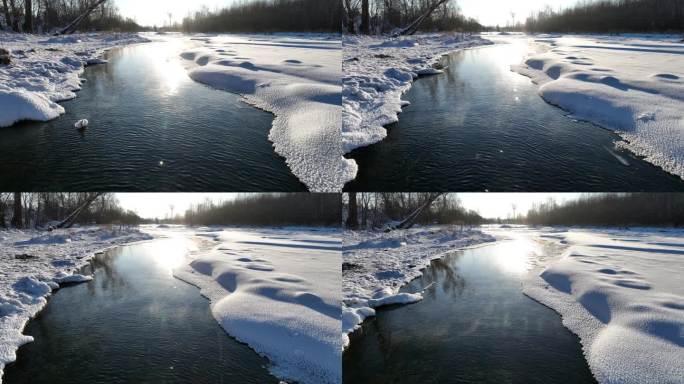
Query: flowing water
x: 151, y: 129
x: 480, y: 126
x: 133, y: 323
x: 474, y: 325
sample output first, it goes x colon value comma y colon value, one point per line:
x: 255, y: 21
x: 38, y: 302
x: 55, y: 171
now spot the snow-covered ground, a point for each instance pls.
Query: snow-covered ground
x: 633, y: 85
x: 277, y: 290
x: 298, y: 79
x: 622, y: 293
x: 378, y: 70
x: 34, y: 263
x: 45, y: 70
x: 376, y: 264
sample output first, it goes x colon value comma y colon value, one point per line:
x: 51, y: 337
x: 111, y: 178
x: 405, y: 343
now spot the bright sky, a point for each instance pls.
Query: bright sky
x: 156, y: 12
x: 493, y: 12
x: 151, y: 205
x: 493, y: 205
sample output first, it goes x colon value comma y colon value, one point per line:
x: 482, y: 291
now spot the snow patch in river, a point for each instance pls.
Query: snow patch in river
x: 277, y: 290
x: 631, y: 85
x: 297, y: 78
x: 621, y: 292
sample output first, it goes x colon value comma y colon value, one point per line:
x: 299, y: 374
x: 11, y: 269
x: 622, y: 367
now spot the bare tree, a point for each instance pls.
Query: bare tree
x: 365, y: 17
x: 17, y: 220
x: 71, y: 219
x: 71, y: 28
x: 353, y: 217
x: 414, y: 26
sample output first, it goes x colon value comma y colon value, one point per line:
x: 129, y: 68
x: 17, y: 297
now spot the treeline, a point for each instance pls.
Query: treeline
x: 377, y: 210
x: 36, y: 210
x: 269, y: 209
x: 269, y: 16
x: 611, y: 16
x: 385, y: 16
x: 612, y: 209
x: 42, y: 16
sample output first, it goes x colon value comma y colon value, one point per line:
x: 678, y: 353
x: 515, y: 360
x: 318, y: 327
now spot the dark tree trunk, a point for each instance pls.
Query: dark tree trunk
x: 28, y: 16
x: 353, y: 217
x: 365, y: 17
x: 415, y: 25
x: 71, y: 219
x: 8, y: 16
x: 71, y: 28
x: 12, y: 19
x: 410, y: 220
x: 17, y: 221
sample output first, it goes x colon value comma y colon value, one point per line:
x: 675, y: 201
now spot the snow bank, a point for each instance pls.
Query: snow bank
x: 621, y: 292
x: 297, y: 78
x: 376, y: 265
x: 278, y: 292
x: 378, y: 71
x: 631, y: 85
x: 33, y: 264
x: 45, y: 71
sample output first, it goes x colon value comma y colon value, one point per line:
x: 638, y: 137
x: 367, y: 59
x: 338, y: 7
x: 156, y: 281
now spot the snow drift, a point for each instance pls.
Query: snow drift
x: 631, y: 85
x: 621, y: 292
x: 278, y: 292
x: 297, y: 78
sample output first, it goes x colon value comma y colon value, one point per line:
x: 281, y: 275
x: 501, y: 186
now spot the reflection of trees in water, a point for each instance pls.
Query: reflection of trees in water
x: 448, y: 79
x: 104, y: 264
x: 444, y: 271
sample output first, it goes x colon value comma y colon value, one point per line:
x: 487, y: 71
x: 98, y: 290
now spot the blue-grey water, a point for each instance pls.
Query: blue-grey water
x: 151, y: 129
x: 133, y: 323
x: 481, y: 127
x: 474, y: 325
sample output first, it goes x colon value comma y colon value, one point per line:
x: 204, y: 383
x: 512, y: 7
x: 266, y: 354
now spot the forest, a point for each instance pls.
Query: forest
x: 612, y: 16
x: 268, y: 16
x: 612, y: 209
x: 377, y: 210
x: 268, y: 209
x: 37, y: 210
x: 46, y: 16
x: 390, y: 16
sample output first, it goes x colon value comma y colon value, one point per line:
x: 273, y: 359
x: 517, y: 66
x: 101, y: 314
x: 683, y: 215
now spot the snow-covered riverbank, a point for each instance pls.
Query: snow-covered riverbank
x: 295, y: 77
x: 621, y: 292
x: 278, y: 291
x: 378, y: 71
x: 633, y: 85
x: 45, y: 70
x: 34, y: 263
x: 377, y: 264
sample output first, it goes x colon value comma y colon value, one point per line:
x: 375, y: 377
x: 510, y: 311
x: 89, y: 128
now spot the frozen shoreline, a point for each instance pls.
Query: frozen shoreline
x: 378, y: 70
x: 620, y: 292
x: 277, y: 290
x: 45, y: 261
x: 46, y: 70
x: 295, y: 77
x: 632, y: 85
x: 376, y: 265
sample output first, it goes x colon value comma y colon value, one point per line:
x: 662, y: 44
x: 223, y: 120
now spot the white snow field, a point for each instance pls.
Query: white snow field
x: 34, y: 263
x: 377, y: 264
x: 622, y: 293
x: 633, y: 85
x: 378, y: 70
x: 278, y: 291
x: 295, y: 77
x: 45, y: 70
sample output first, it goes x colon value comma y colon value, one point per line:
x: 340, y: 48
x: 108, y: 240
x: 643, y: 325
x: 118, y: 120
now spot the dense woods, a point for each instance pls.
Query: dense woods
x: 36, y: 210
x: 269, y: 16
x: 43, y: 16
x: 612, y: 209
x: 269, y: 209
x: 377, y: 210
x: 385, y: 16
x: 611, y: 16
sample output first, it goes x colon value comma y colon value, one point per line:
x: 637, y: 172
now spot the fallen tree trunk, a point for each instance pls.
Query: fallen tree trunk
x: 410, y: 220
x: 69, y: 221
x: 71, y: 28
x: 413, y: 27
